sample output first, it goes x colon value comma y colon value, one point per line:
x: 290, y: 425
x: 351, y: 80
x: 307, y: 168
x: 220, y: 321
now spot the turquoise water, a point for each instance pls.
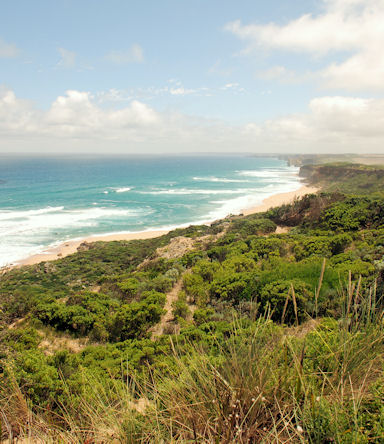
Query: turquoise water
x: 45, y: 201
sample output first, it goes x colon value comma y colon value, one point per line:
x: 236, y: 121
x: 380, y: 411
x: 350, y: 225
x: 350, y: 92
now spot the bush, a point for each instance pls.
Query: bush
x: 134, y: 319
x: 180, y: 307
x: 276, y: 295
x: 232, y: 286
x: 195, y: 287
x: 252, y: 225
x: 202, y: 315
x: 129, y: 286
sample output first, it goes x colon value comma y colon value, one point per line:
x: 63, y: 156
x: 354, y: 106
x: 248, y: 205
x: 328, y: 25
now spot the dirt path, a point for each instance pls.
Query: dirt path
x: 167, y: 317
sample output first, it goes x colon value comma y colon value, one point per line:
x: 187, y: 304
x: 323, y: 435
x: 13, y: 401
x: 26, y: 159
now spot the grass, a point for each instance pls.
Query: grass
x: 265, y: 383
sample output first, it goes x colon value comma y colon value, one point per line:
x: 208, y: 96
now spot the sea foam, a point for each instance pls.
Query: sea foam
x: 185, y: 191
x: 123, y: 190
x: 220, y: 180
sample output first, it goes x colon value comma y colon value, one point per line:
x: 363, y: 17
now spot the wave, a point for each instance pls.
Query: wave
x: 186, y: 191
x: 123, y: 190
x: 241, y: 203
x: 220, y: 179
x: 235, y: 206
x: 24, y: 233
x: 268, y: 173
x: 9, y: 214
x: 43, y: 222
x: 118, y: 190
x: 10, y: 254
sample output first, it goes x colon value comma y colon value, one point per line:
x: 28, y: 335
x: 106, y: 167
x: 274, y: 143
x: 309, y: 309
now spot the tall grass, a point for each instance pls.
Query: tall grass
x: 264, y: 384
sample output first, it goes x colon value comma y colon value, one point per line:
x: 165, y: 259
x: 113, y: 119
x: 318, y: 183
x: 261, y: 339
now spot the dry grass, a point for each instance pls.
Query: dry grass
x: 264, y: 384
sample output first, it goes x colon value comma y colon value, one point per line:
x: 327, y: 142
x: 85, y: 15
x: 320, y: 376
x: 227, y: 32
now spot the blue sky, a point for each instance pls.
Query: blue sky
x: 184, y: 76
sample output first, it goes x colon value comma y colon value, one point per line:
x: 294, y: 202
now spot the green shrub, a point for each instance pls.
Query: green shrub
x: 232, y: 286
x: 129, y: 286
x: 134, y: 319
x: 180, y: 306
x: 202, y: 315
x: 252, y: 225
x: 277, y: 295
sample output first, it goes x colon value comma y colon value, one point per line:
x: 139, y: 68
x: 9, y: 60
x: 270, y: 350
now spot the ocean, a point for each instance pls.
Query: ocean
x: 45, y: 201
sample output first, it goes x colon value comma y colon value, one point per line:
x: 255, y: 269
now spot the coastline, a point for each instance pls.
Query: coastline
x: 280, y: 199
x: 70, y: 247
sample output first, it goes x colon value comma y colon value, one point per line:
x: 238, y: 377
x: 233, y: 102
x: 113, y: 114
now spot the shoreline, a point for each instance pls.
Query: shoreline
x: 280, y: 199
x: 71, y: 246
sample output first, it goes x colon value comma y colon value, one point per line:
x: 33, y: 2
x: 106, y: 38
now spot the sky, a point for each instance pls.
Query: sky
x: 174, y: 76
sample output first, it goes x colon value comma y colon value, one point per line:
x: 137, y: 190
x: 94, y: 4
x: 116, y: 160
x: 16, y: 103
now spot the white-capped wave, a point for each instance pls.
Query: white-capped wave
x: 123, y: 189
x: 238, y: 204
x: 186, y: 191
x: 10, y: 214
x: 270, y: 172
x: 44, y: 222
x: 23, y: 233
x: 234, y: 206
x: 220, y: 179
x: 11, y: 253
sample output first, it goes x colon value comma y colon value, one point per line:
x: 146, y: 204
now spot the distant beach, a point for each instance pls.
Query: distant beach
x: 70, y: 247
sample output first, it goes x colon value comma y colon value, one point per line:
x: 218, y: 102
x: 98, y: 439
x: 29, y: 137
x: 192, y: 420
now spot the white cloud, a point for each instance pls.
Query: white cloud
x: 363, y: 71
x: 8, y: 50
x: 114, y: 95
x: 230, y: 85
x: 173, y: 89
x: 75, y: 122
x: 77, y: 114
x: 72, y: 115
x: 348, y: 116
x: 284, y: 75
x: 17, y: 117
x: 181, y: 91
x: 134, y: 54
x: 333, y: 124
x: 352, y: 29
x: 67, y: 58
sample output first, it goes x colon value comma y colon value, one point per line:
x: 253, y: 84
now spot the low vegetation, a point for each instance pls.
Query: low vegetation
x: 346, y: 177
x: 272, y: 337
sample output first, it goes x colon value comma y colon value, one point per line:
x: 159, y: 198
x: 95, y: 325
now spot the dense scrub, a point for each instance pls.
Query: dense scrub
x: 346, y: 177
x: 275, y: 337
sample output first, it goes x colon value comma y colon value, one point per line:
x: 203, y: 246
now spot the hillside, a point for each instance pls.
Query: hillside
x: 345, y: 177
x: 233, y: 332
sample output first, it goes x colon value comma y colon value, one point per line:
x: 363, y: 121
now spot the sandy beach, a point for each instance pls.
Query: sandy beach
x: 71, y: 247
x: 280, y: 199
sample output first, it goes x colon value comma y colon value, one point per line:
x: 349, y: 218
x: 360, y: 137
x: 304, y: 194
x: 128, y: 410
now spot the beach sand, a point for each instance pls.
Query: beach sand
x: 280, y: 199
x: 71, y: 247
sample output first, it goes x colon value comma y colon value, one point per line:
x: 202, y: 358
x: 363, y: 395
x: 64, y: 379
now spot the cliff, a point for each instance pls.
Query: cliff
x: 345, y: 177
